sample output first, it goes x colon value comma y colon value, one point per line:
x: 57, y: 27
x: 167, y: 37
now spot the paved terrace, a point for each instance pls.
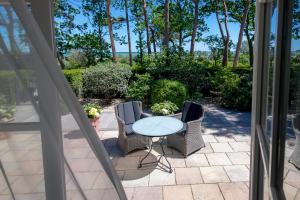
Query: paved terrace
x: 218, y: 171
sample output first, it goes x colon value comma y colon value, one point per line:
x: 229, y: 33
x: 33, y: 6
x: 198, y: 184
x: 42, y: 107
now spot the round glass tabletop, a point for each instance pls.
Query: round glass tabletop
x: 157, y: 126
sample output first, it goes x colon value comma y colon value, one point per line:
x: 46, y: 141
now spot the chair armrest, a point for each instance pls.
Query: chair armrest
x: 194, y: 127
x: 177, y: 116
x: 120, y: 120
x: 144, y: 115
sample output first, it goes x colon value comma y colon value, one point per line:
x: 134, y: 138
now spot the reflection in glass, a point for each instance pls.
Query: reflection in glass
x: 291, y: 185
x: 270, y: 73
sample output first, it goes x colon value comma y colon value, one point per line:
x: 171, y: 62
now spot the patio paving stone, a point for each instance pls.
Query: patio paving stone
x: 239, y: 158
x: 209, y: 138
x: 129, y: 192
x: 86, y: 179
x: 124, y: 163
x: 206, y: 192
x: 225, y: 138
x: 136, y: 178
x: 148, y: 193
x: 237, y: 173
x: 242, y: 137
x: 214, y: 174
x: 102, y: 181
x: 178, y: 192
x: 293, y: 179
x: 218, y: 159
x: 196, y: 160
x: 221, y: 147
x: 206, y: 149
x: 176, y: 161
x: 290, y: 192
x: 240, y: 146
x: 159, y: 177
x: 234, y: 191
x: 188, y: 176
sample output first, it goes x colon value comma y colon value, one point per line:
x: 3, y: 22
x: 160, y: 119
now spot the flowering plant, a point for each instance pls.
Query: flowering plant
x: 165, y: 108
x: 92, y: 110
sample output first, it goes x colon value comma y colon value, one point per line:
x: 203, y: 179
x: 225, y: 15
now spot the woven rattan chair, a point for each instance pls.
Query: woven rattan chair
x: 126, y: 114
x: 295, y: 157
x: 189, y: 139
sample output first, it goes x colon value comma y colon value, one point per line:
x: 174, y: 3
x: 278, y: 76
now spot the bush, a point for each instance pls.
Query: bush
x: 76, y: 59
x: 106, y: 80
x: 165, y: 108
x: 235, y: 89
x: 191, y: 71
x: 168, y: 90
x: 140, y: 88
x: 74, y: 77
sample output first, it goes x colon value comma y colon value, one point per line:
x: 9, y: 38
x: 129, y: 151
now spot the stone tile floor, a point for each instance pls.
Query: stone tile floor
x: 218, y: 171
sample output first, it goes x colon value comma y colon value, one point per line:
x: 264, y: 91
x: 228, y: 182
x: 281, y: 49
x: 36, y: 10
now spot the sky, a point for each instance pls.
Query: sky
x: 210, y: 21
x: 199, y: 46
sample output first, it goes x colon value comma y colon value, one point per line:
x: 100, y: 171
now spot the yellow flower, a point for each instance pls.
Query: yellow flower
x: 94, y: 112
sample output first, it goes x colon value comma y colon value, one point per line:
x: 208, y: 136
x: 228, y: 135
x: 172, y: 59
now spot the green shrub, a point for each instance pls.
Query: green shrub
x: 8, y: 84
x: 235, y: 89
x: 76, y: 59
x: 193, y: 72
x: 106, y: 80
x: 165, y: 108
x: 140, y: 88
x: 168, y: 90
x: 74, y: 77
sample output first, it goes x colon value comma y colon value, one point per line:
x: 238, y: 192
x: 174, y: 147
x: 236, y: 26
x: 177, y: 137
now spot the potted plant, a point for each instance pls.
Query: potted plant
x: 93, y: 112
x: 164, y: 108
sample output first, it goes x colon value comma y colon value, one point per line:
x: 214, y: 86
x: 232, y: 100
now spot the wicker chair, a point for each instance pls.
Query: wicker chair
x: 295, y: 157
x: 189, y: 139
x: 126, y: 114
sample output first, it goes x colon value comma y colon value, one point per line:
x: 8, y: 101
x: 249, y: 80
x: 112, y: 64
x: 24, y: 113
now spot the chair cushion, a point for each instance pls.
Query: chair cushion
x: 191, y: 111
x: 183, y: 130
x: 128, y: 129
x: 129, y: 112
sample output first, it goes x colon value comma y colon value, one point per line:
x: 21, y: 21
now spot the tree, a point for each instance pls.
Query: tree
x: 64, y: 14
x: 242, y: 27
x: 94, y: 10
x: 225, y: 38
x: 128, y: 32
x: 167, y: 24
x: 147, y: 26
x: 110, y: 30
x: 213, y: 42
x: 196, y: 2
x: 137, y: 14
x: 234, y: 12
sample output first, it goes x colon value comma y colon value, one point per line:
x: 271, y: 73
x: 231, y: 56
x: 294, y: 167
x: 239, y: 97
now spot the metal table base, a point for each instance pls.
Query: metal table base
x: 159, y: 160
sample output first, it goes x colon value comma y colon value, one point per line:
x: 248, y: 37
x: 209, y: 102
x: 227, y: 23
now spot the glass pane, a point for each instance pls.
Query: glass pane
x: 271, y: 63
x: 23, y: 105
x: 291, y: 184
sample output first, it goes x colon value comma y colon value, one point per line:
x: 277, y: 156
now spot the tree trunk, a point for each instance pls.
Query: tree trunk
x: 240, y: 39
x: 153, y: 39
x: 147, y: 26
x: 110, y: 29
x: 250, y: 46
x: 167, y: 24
x: 128, y: 32
x: 219, y: 21
x: 192, y: 49
x: 226, y: 48
x: 141, y: 46
x: 60, y: 59
x: 100, y: 40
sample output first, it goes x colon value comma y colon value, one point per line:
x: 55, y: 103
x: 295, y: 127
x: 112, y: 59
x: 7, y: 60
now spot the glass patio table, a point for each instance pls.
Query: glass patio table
x: 158, y: 126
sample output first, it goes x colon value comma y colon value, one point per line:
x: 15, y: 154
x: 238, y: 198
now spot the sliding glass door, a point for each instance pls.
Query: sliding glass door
x: 275, y: 159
